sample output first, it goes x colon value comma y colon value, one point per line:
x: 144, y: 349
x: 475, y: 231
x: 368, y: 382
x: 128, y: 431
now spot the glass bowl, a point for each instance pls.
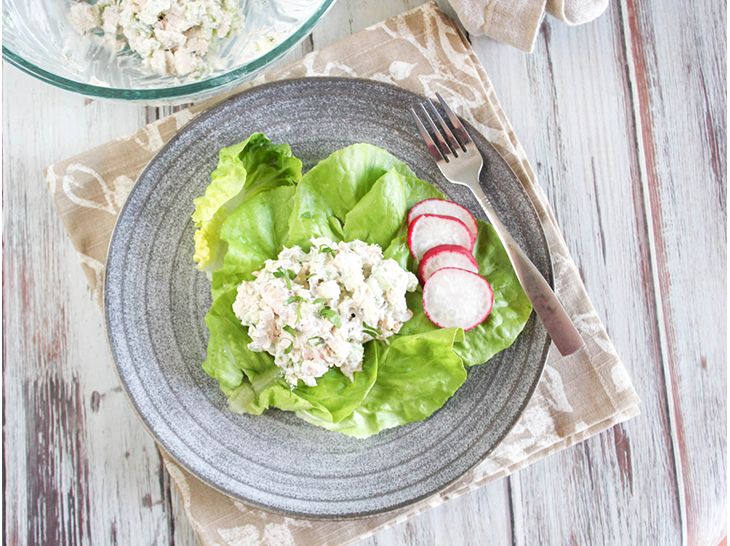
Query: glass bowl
x: 38, y: 38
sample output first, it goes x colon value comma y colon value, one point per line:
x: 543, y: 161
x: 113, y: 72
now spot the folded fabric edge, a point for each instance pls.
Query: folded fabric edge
x: 515, y: 23
x: 576, y: 12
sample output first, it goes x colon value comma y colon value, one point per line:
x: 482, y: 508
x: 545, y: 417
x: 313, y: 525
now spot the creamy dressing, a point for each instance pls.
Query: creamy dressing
x: 314, y: 310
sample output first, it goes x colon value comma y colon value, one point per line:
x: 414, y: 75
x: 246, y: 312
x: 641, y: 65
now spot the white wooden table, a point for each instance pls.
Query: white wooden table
x: 624, y: 120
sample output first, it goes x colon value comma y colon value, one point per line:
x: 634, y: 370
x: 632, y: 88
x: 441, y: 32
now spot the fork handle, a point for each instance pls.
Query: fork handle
x: 546, y: 304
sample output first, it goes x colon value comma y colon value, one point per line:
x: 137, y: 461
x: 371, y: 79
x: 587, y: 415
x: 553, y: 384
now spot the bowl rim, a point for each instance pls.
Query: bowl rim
x: 178, y: 91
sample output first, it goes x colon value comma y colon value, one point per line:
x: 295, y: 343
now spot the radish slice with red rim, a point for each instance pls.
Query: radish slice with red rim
x: 456, y: 297
x: 443, y: 256
x: 441, y: 207
x: 429, y: 231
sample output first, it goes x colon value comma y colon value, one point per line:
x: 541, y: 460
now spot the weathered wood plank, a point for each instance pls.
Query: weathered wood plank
x: 80, y: 469
x: 678, y: 70
x: 478, y: 517
x: 570, y: 103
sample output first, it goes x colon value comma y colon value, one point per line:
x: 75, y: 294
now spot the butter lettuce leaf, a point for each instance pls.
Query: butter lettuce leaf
x: 416, y: 376
x: 244, y: 170
x: 359, y: 192
x: 253, y: 233
x: 380, y: 215
x: 334, y: 187
x: 510, y: 311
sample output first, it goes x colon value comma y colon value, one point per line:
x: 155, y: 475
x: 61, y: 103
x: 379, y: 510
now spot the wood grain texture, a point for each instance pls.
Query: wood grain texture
x: 619, y: 486
x: 79, y: 467
x: 680, y: 91
x: 624, y: 121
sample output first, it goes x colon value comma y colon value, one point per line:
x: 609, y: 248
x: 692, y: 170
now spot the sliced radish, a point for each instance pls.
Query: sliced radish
x: 456, y: 297
x: 428, y: 231
x: 446, y: 256
x: 442, y: 207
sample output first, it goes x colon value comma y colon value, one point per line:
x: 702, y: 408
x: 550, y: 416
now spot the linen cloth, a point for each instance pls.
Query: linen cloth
x: 421, y: 50
x: 517, y: 22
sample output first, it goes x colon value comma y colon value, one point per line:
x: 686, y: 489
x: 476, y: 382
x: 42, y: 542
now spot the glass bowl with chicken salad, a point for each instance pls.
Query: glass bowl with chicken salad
x: 317, y: 308
x: 160, y: 51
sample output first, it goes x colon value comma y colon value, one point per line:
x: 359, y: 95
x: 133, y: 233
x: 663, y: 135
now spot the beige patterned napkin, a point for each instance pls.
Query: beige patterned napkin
x: 423, y: 51
x: 517, y: 22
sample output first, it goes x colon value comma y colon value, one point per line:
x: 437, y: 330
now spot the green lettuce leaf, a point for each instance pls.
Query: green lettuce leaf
x: 416, y: 376
x: 253, y: 383
x: 380, y: 215
x: 398, y: 250
x: 244, y: 170
x: 333, y: 187
x: 510, y: 311
x: 227, y: 343
x: 335, y: 397
x: 387, y: 200
x: 254, y: 232
x: 360, y: 192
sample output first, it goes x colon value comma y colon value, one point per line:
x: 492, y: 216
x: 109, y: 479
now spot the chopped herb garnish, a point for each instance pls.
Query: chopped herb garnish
x: 299, y: 301
x: 325, y: 249
x: 289, y: 349
x: 287, y: 274
x: 318, y: 340
x: 320, y: 300
x: 372, y: 332
x: 289, y: 330
x: 310, y: 275
x: 331, y: 315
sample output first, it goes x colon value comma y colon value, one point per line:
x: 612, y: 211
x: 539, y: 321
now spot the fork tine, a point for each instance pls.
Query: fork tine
x: 435, y: 152
x: 458, y: 127
x: 445, y: 150
x: 445, y: 126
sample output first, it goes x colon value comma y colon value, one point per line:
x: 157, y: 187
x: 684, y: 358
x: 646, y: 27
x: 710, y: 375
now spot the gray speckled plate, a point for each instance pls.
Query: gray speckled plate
x: 156, y: 301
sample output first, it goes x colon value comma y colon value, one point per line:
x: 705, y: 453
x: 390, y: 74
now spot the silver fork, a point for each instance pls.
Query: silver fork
x: 461, y: 163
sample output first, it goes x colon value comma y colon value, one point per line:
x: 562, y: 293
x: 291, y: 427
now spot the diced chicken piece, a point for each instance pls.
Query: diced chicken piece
x: 84, y: 17
x: 185, y: 62
x: 329, y: 290
x: 169, y: 39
